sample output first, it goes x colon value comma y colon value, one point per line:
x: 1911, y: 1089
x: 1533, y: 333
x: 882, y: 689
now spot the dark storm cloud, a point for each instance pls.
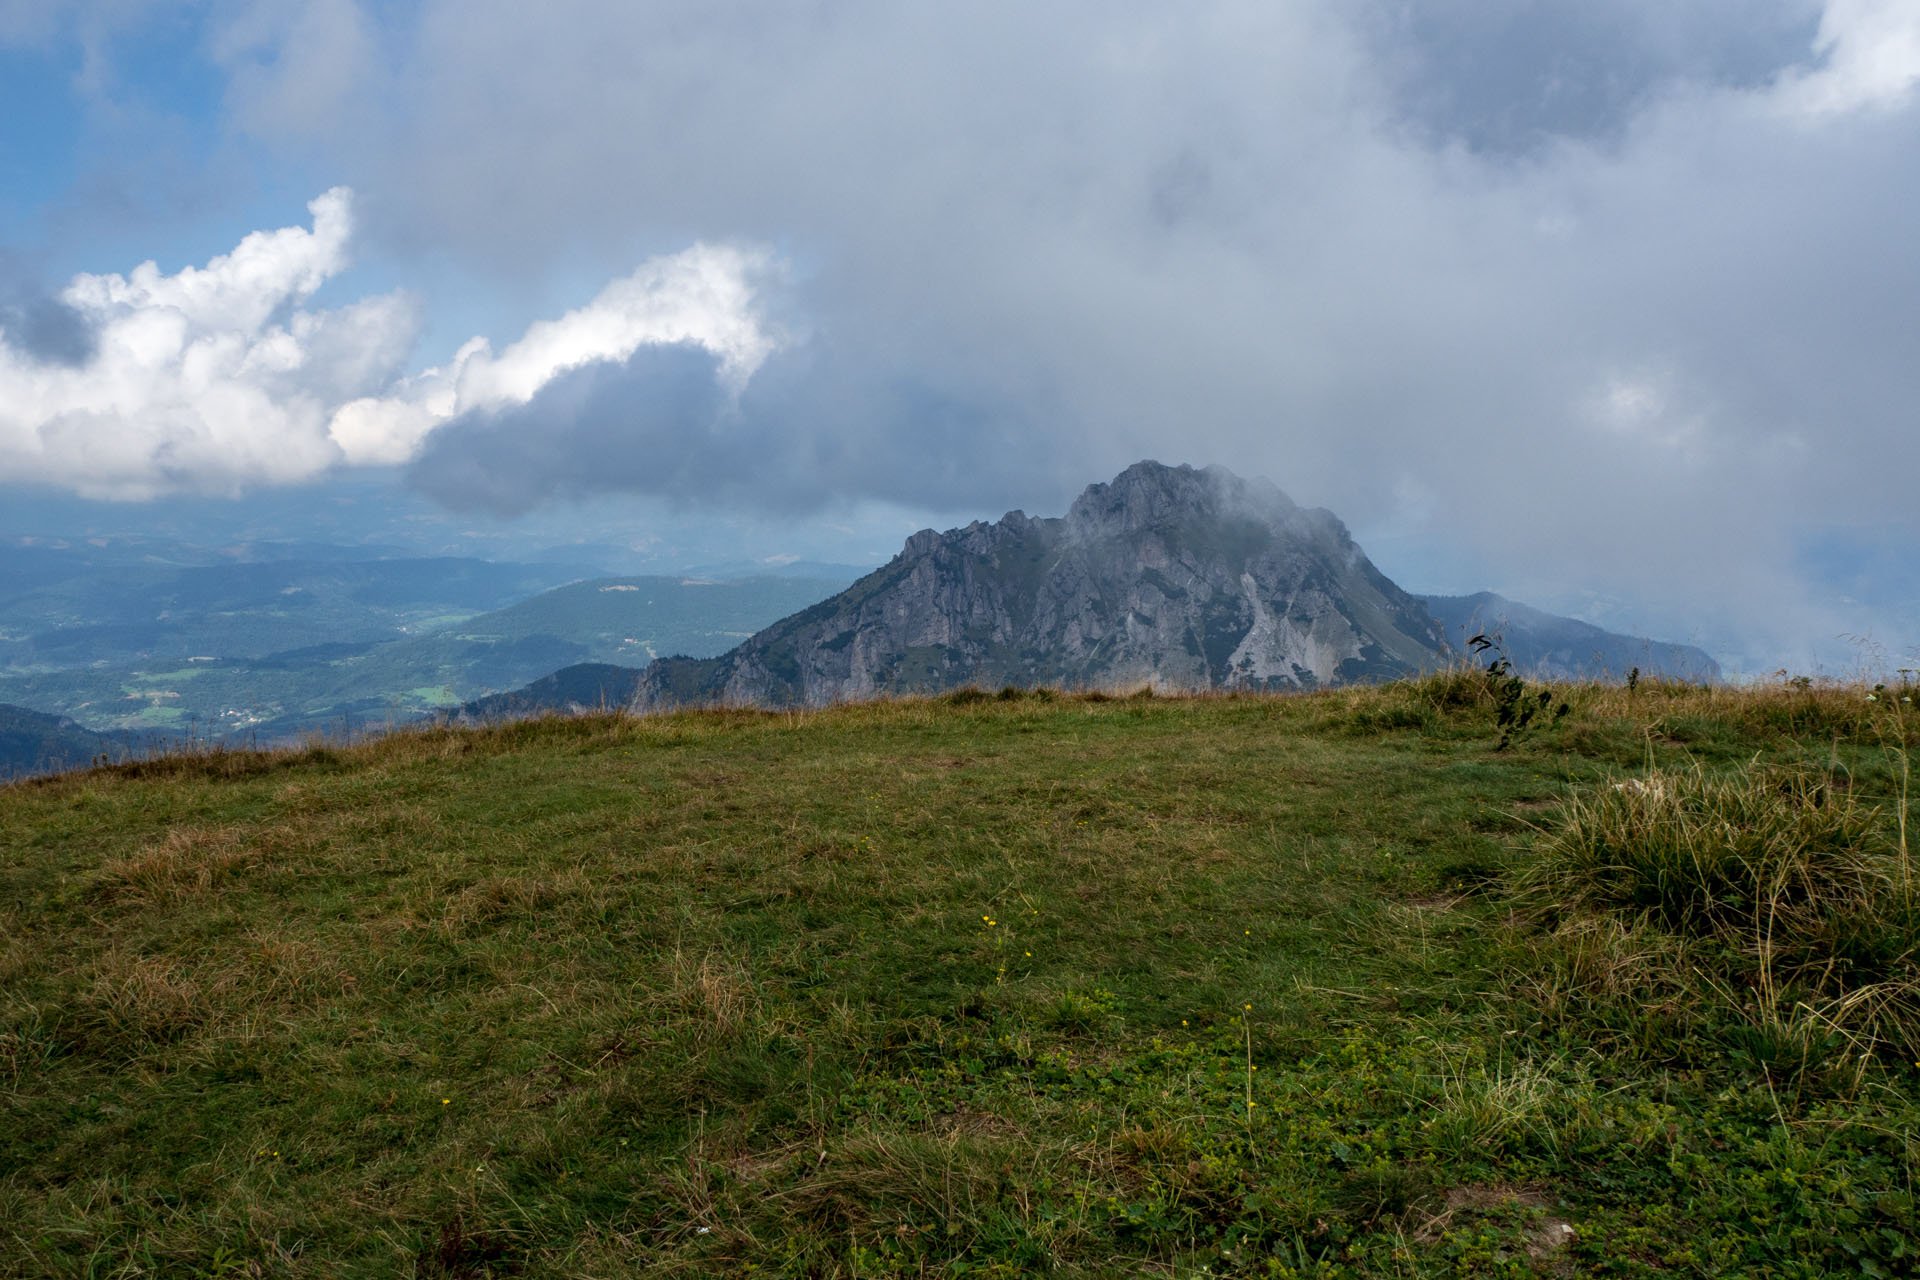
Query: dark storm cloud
x: 800, y: 435
x: 635, y: 426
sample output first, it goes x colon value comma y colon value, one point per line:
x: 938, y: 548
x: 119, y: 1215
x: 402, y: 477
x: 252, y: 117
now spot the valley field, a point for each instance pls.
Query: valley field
x: 406, y: 653
x: 988, y: 985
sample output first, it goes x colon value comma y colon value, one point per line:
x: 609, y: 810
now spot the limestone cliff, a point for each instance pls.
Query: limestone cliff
x: 1168, y: 576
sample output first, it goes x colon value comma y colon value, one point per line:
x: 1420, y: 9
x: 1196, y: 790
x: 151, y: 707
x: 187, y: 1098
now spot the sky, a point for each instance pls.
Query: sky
x: 1609, y: 307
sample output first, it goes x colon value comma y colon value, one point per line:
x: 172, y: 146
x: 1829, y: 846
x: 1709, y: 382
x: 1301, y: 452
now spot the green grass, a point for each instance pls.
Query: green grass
x: 972, y: 985
x: 1770, y: 914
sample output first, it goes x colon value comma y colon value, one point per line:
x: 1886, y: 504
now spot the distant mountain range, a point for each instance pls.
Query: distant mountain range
x: 1169, y: 577
x: 369, y: 643
x: 1549, y: 647
x: 63, y: 607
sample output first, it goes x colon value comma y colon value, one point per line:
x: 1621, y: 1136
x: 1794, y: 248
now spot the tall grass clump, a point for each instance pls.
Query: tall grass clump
x: 1768, y: 913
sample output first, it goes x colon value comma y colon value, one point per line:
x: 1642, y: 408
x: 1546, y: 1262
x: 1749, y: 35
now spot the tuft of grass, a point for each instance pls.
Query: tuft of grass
x: 187, y: 862
x: 1768, y: 909
x: 1704, y: 854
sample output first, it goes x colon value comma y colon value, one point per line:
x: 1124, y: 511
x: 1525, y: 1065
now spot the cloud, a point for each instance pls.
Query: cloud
x: 683, y: 421
x: 1632, y: 321
x: 1550, y: 298
x: 296, y: 69
x: 210, y: 379
x: 222, y: 377
x: 633, y: 426
x: 39, y: 325
x: 1506, y: 77
x: 704, y: 296
x: 1872, y: 58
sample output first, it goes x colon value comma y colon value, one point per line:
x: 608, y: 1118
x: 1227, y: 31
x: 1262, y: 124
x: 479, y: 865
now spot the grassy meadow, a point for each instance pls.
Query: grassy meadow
x: 982, y: 985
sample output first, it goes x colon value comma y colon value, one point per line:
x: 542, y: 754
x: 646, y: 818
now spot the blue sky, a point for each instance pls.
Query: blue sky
x: 1606, y: 307
x: 110, y: 136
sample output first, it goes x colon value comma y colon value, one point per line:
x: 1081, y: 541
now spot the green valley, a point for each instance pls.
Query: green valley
x: 379, y: 675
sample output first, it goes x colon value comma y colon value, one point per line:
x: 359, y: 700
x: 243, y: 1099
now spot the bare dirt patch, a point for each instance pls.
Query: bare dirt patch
x: 1548, y: 1238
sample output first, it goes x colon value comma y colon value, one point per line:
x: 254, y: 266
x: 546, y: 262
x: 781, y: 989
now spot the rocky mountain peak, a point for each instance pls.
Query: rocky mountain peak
x: 1148, y: 494
x: 1152, y: 494
x: 1170, y: 576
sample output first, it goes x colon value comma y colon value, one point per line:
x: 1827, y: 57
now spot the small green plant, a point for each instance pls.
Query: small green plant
x: 1246, y: 1028
x: 1084, y: 1012
x: 1516, y: 708
x: 1892, y: 719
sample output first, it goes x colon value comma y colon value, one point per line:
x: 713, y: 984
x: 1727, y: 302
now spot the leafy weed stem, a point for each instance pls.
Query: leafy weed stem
x: 1246, y: 1025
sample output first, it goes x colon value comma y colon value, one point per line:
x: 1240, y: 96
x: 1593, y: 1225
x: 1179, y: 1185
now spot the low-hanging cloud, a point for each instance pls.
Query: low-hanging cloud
x: 705, y: 297
x: 635, y: 425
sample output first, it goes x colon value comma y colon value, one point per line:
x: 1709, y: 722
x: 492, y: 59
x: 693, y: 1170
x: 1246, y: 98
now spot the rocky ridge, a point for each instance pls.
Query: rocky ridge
x: 1545, y: 646
x: 1172, y: 577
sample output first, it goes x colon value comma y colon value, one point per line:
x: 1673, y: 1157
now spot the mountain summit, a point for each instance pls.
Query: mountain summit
x: 1169, y: 576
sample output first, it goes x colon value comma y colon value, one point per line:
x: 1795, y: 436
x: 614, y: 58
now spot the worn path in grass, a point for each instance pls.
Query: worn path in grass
x: 1092, y: 986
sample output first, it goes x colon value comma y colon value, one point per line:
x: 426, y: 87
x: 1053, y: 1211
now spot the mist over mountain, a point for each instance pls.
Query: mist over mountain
x: 1171, y: 577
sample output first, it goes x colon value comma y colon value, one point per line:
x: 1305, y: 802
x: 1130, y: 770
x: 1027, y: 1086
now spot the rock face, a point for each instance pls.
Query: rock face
x: 1170, y: 577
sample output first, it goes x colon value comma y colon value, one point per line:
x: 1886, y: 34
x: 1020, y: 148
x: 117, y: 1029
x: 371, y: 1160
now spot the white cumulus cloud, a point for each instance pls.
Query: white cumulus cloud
x: 704, y: 296
x: 1872, y: 58
x: 219, y: 378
